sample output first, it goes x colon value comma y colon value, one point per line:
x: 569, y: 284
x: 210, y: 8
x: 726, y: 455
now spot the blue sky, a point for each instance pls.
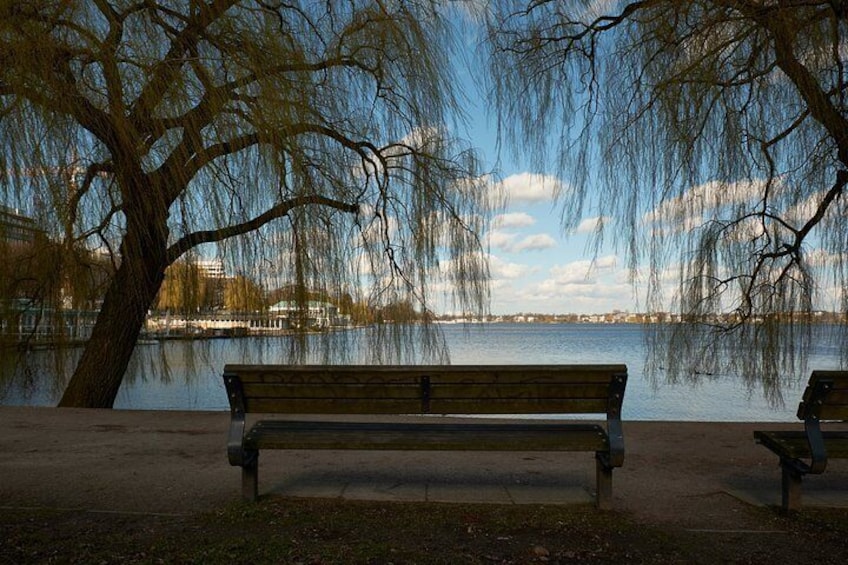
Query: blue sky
x: 535, y: 265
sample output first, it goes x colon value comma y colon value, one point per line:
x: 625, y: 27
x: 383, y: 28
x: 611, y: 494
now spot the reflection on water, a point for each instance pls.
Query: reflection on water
x: 186, y: 375
x: 35, y: 378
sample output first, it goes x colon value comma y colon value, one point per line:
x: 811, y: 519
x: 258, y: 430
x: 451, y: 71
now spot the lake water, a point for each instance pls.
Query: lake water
x: 178, y: 375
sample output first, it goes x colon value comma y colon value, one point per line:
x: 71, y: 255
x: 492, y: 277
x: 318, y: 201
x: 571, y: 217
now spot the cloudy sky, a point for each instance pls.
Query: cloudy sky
x: 537, y: 267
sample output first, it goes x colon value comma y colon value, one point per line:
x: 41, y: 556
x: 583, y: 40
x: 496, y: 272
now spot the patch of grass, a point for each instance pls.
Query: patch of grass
x: 316, y: 532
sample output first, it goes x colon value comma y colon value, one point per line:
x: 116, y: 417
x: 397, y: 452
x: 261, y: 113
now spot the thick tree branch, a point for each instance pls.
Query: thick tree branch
x: 584, y: 30
x: 192, y: 240
x: 170, y: 66
x: 217, y: 97
x: 831, y: 196
x: 76, y: 196
x: 187, y: 160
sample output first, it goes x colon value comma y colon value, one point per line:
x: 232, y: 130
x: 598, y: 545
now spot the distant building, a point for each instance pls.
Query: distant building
x: 17, y: 229
x: 213, y: 269
x: 311, y: 313
x: 25, y: 322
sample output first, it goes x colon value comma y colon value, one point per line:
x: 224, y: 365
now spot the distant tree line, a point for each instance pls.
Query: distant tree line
x: 189, y: 290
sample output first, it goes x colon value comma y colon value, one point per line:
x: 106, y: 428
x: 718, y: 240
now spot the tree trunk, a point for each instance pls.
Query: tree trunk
x: 107, y: 353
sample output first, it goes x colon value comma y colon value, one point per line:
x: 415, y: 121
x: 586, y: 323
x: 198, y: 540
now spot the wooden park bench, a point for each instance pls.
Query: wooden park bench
x: 419, y: 390
x: 807, y: 451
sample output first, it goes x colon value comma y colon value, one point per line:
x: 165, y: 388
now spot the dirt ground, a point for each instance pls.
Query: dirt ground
x: 90, y: 486
x: 317, y: 531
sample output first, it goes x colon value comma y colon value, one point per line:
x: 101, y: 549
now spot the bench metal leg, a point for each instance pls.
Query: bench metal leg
x: 603, y: 475
x: 791, y: 488
x: 250, y: 480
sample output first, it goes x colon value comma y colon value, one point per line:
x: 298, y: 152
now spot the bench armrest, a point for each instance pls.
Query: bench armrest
x: 616, y: 443
x: 615, y: 431
x: 818, y: 453
x: 812, y: 427
x: 235, y: 437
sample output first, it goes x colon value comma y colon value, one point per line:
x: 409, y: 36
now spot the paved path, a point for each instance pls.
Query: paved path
x: 697, y: 475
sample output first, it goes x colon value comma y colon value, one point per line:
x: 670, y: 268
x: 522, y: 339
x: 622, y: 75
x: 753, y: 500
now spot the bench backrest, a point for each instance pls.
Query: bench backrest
x: 449, y: 389
x: 826, y: 396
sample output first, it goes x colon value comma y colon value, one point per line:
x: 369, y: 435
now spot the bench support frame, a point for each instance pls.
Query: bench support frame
x: 603, y: 480
x: 250, y: 480
x: 790, y: 483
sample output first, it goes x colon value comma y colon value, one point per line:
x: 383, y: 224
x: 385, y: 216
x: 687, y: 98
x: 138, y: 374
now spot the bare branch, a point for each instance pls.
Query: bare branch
x: 168, y: 69
x: 192, y: 240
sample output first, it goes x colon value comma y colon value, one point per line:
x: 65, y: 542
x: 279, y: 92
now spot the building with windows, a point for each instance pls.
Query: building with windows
x: 16, y: 229
x: 29, y: 316
x: 213, y: 269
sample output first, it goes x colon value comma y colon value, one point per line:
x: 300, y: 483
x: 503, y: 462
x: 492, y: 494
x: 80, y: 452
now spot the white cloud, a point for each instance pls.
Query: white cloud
x: 590, y: 225
x: 599, y: 8
x: 513, y: 243
x: 502, y: 240
x: 582, y: 272
x: 823, y: 258
x: 513, y: 220
x: 376, y: 228
x: 530, y: 188
x: 582, y: 296
x: 705, y: 198
x: 501, y: 269
x: 473, y: 10
x: 421, y: 137
x: 805, y: 210
x: 536, y: 242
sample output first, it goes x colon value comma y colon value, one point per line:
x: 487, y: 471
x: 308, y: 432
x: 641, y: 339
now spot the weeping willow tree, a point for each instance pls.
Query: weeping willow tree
x: 311, y: 141
x: 715, y: 136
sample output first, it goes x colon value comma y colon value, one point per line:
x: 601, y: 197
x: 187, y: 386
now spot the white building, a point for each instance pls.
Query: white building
x: 317, y: 314
x: 213, y: 269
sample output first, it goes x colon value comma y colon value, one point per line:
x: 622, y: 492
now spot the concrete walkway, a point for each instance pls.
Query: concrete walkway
x: 697, y: 475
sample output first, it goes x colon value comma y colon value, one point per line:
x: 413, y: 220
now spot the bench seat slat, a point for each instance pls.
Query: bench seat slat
x: 833, y: 412
x: 438, y: 391
x: 441, y: 380
x: 519, y: 390
x: 507, y: 377
x: 321, y: 379
x: 355, y: 391
x: 520, y: 406
x: 278, y: 434
x: 333, y: 406
x: 794, y: 443
x: 838, y: 396
x: 413, y: 406
x: 839, y: 388
x: 368, y: 374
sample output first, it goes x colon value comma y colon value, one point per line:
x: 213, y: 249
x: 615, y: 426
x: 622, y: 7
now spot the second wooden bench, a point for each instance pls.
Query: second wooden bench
x: 807, y: 451
x: 554, y: 390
